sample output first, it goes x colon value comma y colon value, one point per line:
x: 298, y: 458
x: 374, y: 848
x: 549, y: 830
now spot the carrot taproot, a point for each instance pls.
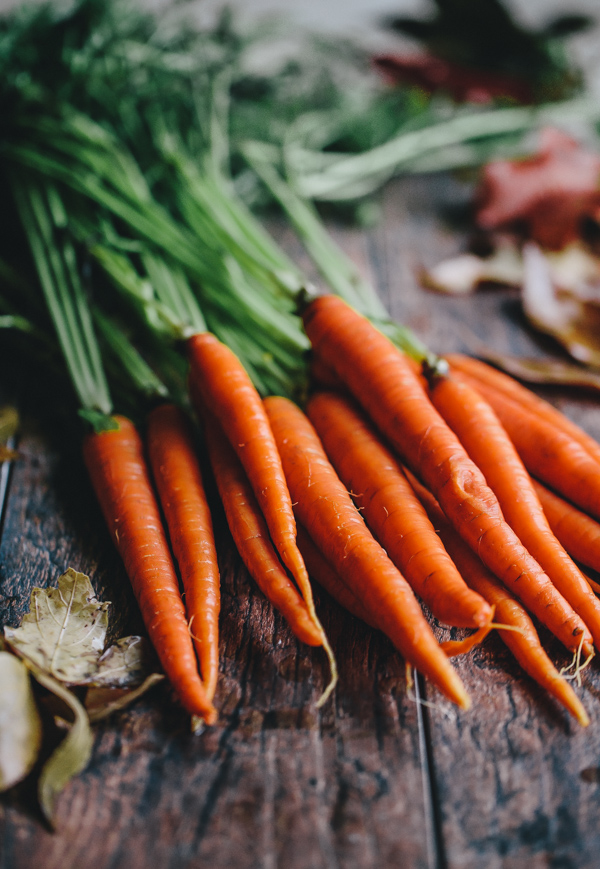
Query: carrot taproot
x: 326, y: 510
x: 485, y: 373
x: 387, y: 387
x: 322, y: 572
x: 392, y: 511
x: 251, y: 536
x: 548, y: 453
x: 178, y: 478
x: 578, y: 532
x: 116, y: 464
x: 524, y: 642
x: 220, y: 383
x: 486, y: 441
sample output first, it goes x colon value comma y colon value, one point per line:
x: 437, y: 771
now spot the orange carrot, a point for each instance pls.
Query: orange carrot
x: 251, y: 536
x: 117, y: 469
x: 322, y: 572
x: 326, y: 510
x: 578, y: 532
x: 524, y: 643
x: 178, y: 478
x: 477, y: 427
x: 548, y: 453
x: 511, y: 388
x: 220, y: 384
x: 387, y: 387
x: 392, y: 511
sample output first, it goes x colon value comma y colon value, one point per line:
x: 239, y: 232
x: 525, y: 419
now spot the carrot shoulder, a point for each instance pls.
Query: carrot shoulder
x: 251, y: 536
x: 487, y: 443
x: 524, y: 642
x: 393, y: 512
x: 385, y: 384
x: 326, y: 510
x: 117, y: 469
x: 178, y: 478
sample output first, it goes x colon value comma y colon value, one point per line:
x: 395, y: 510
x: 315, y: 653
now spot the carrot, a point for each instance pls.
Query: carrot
x: 578, y: 532
x: 327, y: 512
x: 524, y: 643
x: 387, y: 387
x: 251, y: 536
x: 512, y: 389
x: 548, y: 453
x: 392, y: 511
x: 322, y: 572
x: 477, y: 427
x: 178, y: 478
x: 120, y: 478
x: 220, y: 383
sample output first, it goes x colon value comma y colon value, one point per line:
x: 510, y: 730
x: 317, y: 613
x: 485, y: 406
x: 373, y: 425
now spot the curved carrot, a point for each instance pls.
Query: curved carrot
x: 326, y: 510
x: 511, y: 388
x: 178, y: 478
x: 386, y: 385
x: 322, y: 572
x: 524, y: 643
x: 251, y: 536
x: 548, y: 453
x: 117, y: 469
x: 477, y: 427
x: 578, y: 532
x: 220, y: 384
x: 393, y: 512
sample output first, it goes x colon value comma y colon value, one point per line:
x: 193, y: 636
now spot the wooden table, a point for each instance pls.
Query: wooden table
x: 375, y: 779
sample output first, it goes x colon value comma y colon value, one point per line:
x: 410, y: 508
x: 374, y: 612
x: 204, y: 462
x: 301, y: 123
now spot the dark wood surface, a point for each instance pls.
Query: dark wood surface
x: 377, y: 778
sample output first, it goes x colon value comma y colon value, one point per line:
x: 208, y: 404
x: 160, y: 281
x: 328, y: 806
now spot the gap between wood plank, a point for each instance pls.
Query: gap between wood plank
x: 436, y: 852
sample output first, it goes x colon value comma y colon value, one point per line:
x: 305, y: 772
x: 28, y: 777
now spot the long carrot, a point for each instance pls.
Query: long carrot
x: 524, y: 642
x: 578, y: 532
x: 387, y: 387
x: 477, y: 427
x: 326, y: 510
x: 251, y: 536
x: 511, y: 388
x: 178, y: 478
x: 220, y: 383
x: 548, y: 453
x: 393, y: 512
x: 117, y: 469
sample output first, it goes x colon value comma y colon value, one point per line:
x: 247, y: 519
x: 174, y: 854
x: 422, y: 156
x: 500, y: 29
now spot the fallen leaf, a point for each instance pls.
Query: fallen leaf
x: 124, y: 664
x: 20, y: 725
x: 65, y: 631
x: 102, y: 702
x: 464, y: 273
x: 548, y: 372
x: 574, y: 323
x: 548, y: 195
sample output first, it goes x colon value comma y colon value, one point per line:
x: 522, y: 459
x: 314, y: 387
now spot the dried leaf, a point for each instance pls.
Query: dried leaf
x: 7, y: 455
x: 65, y: 631
x: 549, y: 195
x: 549, y: 372
x: 20, y: 725
x: 73, y: 753
x: 9, y: 423
x: 574, y: 323
x: 462, y: 274
x: 102, y: 702
x: 125, y: 664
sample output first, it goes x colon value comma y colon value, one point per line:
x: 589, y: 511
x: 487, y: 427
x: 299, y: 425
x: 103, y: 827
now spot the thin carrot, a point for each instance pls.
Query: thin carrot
x: 117, y: 469
x: 220, y: 383
x: 578, y: 532
x: 524, y: 643
x: 393, y: 512
x: 510, y: 387
x: 477, y: 427
x: 322, y: 572
x: 548, y: 453
x: 387, y: 387
x: 178, y: 478
x: 251, y: 536
x: 326, y: 510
